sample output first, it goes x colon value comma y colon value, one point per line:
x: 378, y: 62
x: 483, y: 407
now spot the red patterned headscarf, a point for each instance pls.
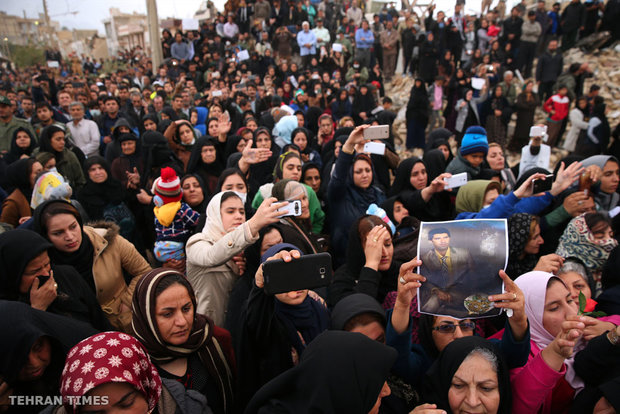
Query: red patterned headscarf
x: 104, y: 358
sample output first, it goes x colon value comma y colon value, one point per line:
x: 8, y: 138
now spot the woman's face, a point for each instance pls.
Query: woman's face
x: 582, y: 103
x: 610, y: 177
x: 575, y: 283
x: 558, y: 305
x: 215, y: 112
x: 174, y: 314
x: 495, y: 158
x: 121, y: 397
x: 251, y: 125
x: 313, y: 179
x: 192, y: 192
x: 149, y: 125
x: 263, y: 141
x: 64, y: 232
x: 22, y: 140
x: 602, y: 231
x: 36, y: 169
x: 164, y: 116
x: 128, y: 147
x: 400, y: 211
x: 293, y: 298
x: 50, y: 164
x: 443, y: 338
x: 418, y: 177
x: 207, y: 153
x: 213, y: 128
x: 385, y: 391
x: 305, y: 205
x: 387, y: 253
x: 57, y: 141
x: 241, y: 145
x: 234, y: 183
x: 300, y: 140
x: 469, y: 95
x: 233, y: 213
x: 475, y: 387
x: 39, y: 266
x: 39, y: 358
x: 300, y: 119
x: 186, y: 135
x: 362, y: 174
x: 271, y: 238
x: 489, y: 197
x: 533, y: 244
x: 445, y: 150
x: 529, y: 87
x: 97, y: 174
x: 292, y: 169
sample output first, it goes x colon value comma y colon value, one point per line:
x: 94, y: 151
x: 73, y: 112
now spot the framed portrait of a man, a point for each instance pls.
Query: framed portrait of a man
x: 461, y: 260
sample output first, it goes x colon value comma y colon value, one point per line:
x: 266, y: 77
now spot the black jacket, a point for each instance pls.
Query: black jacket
x: 549, y: 67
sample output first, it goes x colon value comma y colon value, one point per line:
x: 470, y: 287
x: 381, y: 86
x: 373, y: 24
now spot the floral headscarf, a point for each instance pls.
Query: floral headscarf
x: 578, y: 241
x: 104, y: 358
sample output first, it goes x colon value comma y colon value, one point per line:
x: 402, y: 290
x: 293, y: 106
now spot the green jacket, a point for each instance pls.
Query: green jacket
x: 317, y: 216
x: 8, y: 129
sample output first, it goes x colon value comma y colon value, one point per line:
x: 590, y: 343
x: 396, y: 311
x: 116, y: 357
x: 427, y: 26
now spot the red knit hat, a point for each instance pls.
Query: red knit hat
x: 168, y: 186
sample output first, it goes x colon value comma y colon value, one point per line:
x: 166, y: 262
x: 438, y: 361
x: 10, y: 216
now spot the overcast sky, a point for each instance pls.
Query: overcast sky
x: 90, y: 13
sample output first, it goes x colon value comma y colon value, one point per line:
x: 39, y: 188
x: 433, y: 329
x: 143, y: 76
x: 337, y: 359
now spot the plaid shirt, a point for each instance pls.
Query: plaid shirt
x: 181, y: 227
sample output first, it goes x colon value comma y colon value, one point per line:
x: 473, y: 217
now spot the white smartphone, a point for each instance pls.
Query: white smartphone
x: 375, y: 148
x: 377, y: 132
x: 216, y: 93
x: 457, y: 180
x: 293, y: 208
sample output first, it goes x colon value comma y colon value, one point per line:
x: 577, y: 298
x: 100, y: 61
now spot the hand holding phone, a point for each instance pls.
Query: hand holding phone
x: 42, y: 295
x: 293, y: 208
x: 457, y: 180
x: 375, y: 148
x: 305, y: 272
x: 542, y: 185
x: 377, y: 132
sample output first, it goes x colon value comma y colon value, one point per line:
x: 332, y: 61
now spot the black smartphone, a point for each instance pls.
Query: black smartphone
x: 308, y: 272
x: 540, y: 186
x: 43, y: 280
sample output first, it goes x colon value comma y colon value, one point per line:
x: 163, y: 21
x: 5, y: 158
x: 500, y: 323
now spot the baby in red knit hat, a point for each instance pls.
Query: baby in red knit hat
x: 174, y: 219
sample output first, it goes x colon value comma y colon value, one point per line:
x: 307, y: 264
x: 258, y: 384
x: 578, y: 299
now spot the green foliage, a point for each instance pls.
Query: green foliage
x: 24, y: 56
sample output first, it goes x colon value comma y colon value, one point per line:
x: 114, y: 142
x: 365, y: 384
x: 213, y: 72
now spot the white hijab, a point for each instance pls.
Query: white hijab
x: 534, y: 287
x: 214, y: 227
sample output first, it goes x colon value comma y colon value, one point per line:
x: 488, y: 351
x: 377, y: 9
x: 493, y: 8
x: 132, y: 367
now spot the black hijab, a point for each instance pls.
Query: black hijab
x: 439, y: 377
x: 439, y: 137
x: 22, y: 325
x: 518, y: 237
x: 17, y: 248
x: 82, y: 259
x: 157, y: 154
x: 435, y: 163
x: 16, y: 152
x: 322, y: 382
x: 403, y: 175
x: 45, y: 139
x: 18, y: 176
x: 208, y: 173
x: 96, y: 196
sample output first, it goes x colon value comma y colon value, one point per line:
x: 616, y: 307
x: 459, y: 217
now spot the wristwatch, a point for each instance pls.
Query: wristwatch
x: 613, y: 337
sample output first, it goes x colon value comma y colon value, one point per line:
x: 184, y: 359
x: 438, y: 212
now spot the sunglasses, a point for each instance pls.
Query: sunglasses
x: 451, y: 328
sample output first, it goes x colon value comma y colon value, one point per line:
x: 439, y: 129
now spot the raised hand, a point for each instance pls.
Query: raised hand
x: 513, y: 301
x: 565, y: 177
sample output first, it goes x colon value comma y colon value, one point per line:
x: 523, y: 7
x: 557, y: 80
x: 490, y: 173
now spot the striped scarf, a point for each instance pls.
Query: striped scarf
x: 201, y: 338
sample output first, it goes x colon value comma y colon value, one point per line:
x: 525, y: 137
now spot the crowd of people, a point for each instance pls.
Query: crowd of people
x: 140, y: 204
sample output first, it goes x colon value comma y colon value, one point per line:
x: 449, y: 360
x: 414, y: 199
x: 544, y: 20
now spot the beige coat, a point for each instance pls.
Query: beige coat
x: 389, y: 41
x: 212, y: 273
x: 112, y: 254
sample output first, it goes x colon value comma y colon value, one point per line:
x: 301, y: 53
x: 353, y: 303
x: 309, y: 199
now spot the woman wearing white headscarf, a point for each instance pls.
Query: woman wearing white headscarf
x: 549, y: 382
x: 215, y: 256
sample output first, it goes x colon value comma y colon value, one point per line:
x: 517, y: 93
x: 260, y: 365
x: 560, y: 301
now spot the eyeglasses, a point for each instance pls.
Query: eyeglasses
x: 451, y: 328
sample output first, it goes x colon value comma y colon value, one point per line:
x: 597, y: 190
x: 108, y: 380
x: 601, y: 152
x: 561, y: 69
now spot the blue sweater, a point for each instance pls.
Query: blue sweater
x: 505, y: 206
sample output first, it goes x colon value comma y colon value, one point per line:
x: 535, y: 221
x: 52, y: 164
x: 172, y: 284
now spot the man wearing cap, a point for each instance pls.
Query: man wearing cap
x: 9, y: 123
x: 321, y: 33
x: 536, y: 154
x: 307, y: 42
